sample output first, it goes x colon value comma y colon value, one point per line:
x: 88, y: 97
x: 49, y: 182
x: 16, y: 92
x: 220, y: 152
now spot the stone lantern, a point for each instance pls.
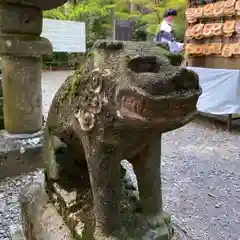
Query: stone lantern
x: 21, y: 49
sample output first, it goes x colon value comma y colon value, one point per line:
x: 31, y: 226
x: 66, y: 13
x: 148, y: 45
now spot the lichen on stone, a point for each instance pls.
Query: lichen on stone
x: 75, y: 78
x: 86, y: 120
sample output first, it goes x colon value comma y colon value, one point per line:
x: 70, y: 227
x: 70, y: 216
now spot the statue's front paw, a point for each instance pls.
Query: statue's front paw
x: 160, y: 227
x: 118, y: 235
x: 106, y: 238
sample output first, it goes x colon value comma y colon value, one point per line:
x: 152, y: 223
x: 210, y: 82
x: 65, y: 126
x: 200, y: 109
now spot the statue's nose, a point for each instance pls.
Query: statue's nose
x: 170, y: 81
x: 186, y: 79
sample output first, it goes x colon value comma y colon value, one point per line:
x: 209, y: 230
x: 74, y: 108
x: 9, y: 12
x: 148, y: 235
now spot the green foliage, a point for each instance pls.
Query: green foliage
x: 99, y: 15
x: 155, y: 15
x: 139, y: 31
x: 56, y: 13
x: 180, y: 25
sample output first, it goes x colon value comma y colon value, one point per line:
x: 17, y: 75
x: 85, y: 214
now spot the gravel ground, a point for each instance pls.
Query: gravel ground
x: 201, y: 178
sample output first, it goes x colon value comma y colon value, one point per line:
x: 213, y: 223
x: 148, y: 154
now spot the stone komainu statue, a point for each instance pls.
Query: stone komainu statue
x: 116, y: 107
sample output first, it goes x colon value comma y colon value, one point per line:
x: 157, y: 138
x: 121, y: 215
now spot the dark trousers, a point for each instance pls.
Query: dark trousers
x: 158, y: 37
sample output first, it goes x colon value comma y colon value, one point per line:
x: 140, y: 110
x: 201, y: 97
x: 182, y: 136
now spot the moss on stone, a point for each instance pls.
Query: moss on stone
x: 76, y: 78
x: 175, y: 59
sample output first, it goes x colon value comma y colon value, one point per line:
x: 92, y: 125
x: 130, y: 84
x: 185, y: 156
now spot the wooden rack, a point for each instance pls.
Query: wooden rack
x: 213, y: 61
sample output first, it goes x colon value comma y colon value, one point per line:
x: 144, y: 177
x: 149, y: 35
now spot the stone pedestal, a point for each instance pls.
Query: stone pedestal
x: 20, y: 153
x: 59, y: 212
x: 72, y: 206
x: 21, y: 49
x: 40, y: 219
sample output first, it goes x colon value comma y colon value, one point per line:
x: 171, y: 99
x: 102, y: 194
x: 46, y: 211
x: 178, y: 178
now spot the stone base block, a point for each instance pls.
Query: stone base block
x: 20, y: 153
x: 40, y: 219
x: 60, y: 214
x: 17, y: 233
x: 63, y: 209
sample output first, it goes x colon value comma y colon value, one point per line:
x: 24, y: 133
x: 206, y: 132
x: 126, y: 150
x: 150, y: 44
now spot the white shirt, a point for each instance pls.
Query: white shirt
x: 165, y: 26
x: 173, y: 45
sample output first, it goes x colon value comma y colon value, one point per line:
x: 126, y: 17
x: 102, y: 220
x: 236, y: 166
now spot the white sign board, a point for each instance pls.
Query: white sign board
x: 65, y: 36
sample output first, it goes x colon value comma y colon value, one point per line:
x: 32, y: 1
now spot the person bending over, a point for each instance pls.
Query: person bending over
x: 165, y: 32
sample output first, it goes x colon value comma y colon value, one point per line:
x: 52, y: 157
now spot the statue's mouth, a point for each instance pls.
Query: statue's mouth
x: 139, y: 107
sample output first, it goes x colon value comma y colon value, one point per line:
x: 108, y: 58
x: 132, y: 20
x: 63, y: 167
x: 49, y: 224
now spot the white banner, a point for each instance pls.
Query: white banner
x: 65, y: 36
x: 221, y: 90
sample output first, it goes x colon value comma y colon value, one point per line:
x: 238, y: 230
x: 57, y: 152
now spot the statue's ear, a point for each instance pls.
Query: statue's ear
x: 109, y: 45
x: 175, y: 59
